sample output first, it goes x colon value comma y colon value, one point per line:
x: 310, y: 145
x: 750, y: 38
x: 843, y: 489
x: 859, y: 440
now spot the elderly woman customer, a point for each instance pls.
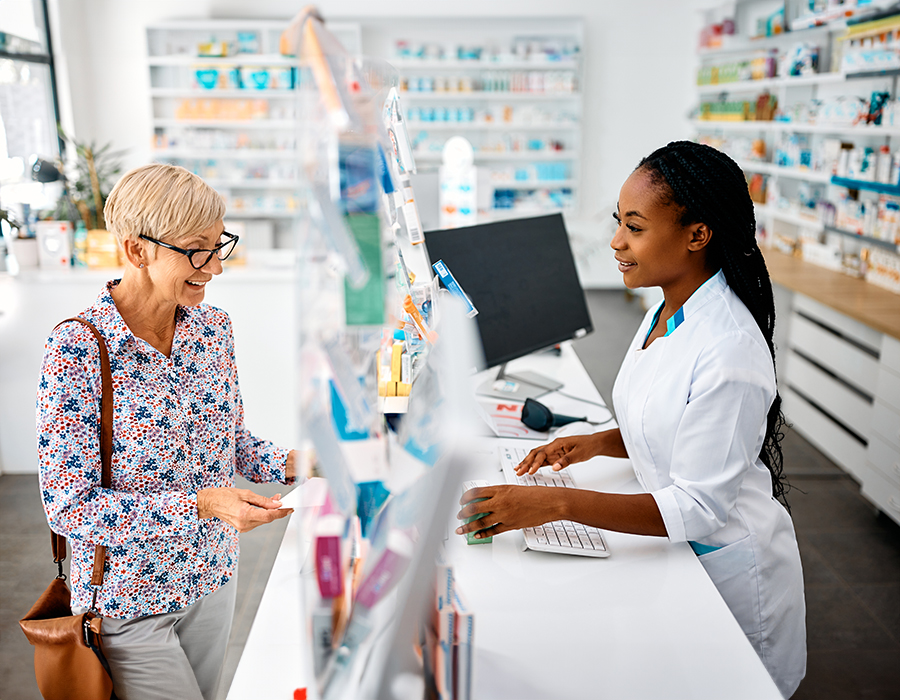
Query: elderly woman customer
x: 170, y: 522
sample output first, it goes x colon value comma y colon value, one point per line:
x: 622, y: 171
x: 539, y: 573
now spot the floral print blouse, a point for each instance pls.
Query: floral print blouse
x: 178, y: 427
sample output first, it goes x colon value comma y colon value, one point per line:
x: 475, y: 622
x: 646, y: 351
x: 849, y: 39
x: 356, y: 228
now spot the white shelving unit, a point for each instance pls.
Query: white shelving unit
x: 485, y: 156
x: 776, y: 127
x: 769, y: 83
x: 238, y: 136
x: 448, y: 96
x: 833, y: 370
x: 490, y: 96
x: 734, y: 136
x: 789, y: 216
x: 804, y: 174
x: 527, y: 139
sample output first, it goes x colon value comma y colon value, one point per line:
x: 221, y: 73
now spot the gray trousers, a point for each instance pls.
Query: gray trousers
x: 171, y: 655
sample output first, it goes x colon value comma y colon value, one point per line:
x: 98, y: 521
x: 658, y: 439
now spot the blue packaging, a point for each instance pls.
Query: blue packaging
x: 449, y: 281
x: 360, y: 188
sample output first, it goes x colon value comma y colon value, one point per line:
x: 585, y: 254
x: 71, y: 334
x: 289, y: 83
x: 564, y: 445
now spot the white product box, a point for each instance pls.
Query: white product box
x: 54, y: 244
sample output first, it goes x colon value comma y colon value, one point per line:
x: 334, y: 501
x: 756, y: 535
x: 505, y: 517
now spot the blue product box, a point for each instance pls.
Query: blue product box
x: 255, y: 78
x: 207, y: 78
x: 360, y: 191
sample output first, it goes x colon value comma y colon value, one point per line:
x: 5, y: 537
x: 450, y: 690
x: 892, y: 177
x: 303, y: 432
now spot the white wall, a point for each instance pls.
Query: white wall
x: 638, y: 74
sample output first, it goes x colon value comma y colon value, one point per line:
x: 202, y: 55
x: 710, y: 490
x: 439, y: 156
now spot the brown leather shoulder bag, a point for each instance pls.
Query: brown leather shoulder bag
x: 68, y: 659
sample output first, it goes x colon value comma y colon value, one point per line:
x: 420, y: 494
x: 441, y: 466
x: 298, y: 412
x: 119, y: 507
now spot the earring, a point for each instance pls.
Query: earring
x: 141, y: 265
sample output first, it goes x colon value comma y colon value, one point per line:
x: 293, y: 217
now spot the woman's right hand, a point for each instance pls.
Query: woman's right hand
x: 571, y: 449
x: 241, y: 508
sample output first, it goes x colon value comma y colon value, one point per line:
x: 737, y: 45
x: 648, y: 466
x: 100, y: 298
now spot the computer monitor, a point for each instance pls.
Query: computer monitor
x: 521, y: 276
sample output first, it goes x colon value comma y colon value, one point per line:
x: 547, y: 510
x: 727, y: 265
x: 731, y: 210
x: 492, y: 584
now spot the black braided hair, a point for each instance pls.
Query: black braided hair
x: 710, y: 188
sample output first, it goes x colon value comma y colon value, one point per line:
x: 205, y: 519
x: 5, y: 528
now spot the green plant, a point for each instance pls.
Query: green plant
x: 89, y: 178
x: 6, y: 215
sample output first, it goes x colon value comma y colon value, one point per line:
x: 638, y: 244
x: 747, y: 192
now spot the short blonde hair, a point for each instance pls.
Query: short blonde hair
x: 166, y: 202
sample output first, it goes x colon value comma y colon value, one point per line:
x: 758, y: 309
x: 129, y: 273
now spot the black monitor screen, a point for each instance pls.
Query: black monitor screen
x: 521, y: 277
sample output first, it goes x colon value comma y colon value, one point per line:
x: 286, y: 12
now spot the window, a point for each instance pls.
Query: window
x: 28, y: 109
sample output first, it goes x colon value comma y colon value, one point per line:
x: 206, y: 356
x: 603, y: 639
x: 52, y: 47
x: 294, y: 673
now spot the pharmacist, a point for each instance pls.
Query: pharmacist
x: 698, y: 409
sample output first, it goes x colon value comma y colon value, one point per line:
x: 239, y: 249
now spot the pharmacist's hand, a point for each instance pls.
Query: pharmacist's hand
x: 240, y: 508
x: 560, y: 453
x: 509, y: 507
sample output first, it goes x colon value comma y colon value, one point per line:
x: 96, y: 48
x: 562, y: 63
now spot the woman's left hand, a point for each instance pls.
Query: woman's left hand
x: 509, y: 507
x: 240, y: 508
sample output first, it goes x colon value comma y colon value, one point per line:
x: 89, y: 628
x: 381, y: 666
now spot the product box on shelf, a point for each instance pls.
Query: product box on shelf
x: 54, y: 244
x: 102, y: 249
x: 884, y: 269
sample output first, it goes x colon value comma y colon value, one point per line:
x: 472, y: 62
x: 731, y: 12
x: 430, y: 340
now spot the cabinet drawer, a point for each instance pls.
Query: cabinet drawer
x: 847, y: 361
x: 885, y: 459
x: 846, y: 326
x: 890, y: 354
x: 882, y: 493
x: 888, y: 389
x: 848, y: 452
x: 886, y: 422
x: 845, y: 405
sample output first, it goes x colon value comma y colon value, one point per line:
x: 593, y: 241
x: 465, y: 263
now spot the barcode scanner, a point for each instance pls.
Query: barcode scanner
x: 538, y: 417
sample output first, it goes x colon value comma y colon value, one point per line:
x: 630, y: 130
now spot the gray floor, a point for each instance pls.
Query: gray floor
x: 851, y: 556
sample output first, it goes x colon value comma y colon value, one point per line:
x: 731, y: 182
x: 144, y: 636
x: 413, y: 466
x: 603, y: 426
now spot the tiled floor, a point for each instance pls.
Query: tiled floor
x: 851, y: 557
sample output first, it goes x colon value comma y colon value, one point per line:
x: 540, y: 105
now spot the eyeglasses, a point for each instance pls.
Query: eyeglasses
x: 203, y: 256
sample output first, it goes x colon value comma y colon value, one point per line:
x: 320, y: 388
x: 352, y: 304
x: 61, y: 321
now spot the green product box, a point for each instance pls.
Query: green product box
x: 470, y: 536
x: 365, y: 306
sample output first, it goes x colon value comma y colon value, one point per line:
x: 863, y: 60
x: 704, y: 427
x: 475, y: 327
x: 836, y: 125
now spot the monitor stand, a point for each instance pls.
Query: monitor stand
x: 518, y: 387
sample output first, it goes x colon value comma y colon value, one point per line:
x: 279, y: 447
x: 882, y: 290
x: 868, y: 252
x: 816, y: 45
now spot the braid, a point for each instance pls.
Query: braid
x: 711, y: 188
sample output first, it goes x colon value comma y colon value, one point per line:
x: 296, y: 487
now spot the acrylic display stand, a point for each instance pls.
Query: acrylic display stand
x: 382, y: 377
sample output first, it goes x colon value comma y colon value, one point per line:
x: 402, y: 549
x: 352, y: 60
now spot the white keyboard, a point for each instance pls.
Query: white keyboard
x: 561, y: 536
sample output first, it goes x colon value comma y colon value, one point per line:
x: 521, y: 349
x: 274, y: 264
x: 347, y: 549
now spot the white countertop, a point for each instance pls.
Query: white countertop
x: 646, y: 622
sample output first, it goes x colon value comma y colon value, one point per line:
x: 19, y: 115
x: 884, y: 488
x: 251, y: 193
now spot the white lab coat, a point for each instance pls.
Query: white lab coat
x: 692, y: 410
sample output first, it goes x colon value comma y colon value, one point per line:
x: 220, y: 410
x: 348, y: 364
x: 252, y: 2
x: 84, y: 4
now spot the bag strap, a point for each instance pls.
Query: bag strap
x: 58, y: 542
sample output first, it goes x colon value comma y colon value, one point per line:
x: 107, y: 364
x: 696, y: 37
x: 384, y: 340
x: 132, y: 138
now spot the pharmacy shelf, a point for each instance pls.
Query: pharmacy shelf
x: 734, y: 126
x: 781, y: 171
x: 439, y: 64
x: 519, y: 213
x: 788, y: 216
x: 263, y: 213
x: 199, y: 92
x: 768, y: 83
x: 887, y: 245
x: 878, y: 187
x: 883, y: 73
x: 794, y: 128
x: 511, y: 156
x: 230, y: 153
x: 488, y: 95
x: 252, y: 184
x: 172, y: 61
x: 532, y: 184
x: 222, y: 25
x: 266, y: 124
x: 240, y: 59
x: 496, y: 126
x: 744, y: 45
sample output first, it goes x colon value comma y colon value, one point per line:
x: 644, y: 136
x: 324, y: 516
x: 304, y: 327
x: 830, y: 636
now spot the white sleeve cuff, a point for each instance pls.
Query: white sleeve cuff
x: 671, y: 514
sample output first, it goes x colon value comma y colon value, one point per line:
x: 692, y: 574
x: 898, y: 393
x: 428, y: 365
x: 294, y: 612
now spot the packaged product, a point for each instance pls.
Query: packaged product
x: 255, y: 77
x: 207, y: 77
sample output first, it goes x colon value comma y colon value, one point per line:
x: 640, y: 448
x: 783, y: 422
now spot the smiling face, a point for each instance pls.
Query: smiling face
x: 173, y: 277
x: 653, y: 248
